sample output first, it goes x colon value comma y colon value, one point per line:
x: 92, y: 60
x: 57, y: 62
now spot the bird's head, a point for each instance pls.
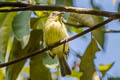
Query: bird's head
x: 56, y: 15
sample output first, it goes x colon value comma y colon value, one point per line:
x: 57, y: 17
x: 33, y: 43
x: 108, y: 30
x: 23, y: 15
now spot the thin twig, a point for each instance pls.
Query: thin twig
x: 29, y: 7
x: 56, y: 44
x: 112, y: 31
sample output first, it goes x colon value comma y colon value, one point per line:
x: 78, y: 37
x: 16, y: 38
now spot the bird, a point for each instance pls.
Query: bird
x: 55, y: 30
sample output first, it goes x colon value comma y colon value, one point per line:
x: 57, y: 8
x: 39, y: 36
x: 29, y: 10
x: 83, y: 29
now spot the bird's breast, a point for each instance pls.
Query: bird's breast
x: 54, y: 32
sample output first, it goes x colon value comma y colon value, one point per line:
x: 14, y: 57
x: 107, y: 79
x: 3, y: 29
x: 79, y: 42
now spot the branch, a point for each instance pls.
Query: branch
x: 56, y: 44
x: 112, y: 31
x: 29, y: 7
x: 13, y: 4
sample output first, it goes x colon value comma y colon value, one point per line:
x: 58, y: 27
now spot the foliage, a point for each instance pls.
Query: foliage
x: 87, y: 61
x: 21, y: 34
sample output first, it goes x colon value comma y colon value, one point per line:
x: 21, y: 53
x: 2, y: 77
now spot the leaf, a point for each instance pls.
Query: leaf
x: 38, y: 70
x: 77, y: 30
x: 5, y: 29
x: 24, y: 75
x: 87, y: 62
x: 83, y: 19
x: 2, y: 17
x: 64, y: 2
x: 41, y: 14
x: 10, y: 0
x: 75, y: 74
x: 21, y: 27
x: 89, y: 21
x: 99, y: 33
x: 3, y: 42
x: 6, y: 19
x: 16, y: 52
x: 119, y: 8
x: 41, y: 1
x: 104, y: 68
x: 51, y: 2
x: 2, y: 74
x: 37, y: 23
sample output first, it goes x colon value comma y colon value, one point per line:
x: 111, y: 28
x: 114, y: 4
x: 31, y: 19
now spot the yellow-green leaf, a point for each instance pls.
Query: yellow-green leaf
x: 5, y: 30
x: 75, y: 74
x: 2, y: 74
x: 105, y: 68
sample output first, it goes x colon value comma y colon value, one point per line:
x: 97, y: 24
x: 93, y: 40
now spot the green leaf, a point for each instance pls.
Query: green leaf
x: 37, y: 23
x: 82, y: 19
x: 77, y: 30
x: 51, y: 2
x: 11, y: 0
x: 99, y: 33
x: 119, y: 8
x: 64, y: 2
x: 38, y: 70
x: 105, y: 68
x: 89, y: 21
x: 16, y: 52
x: 4, y: 41
x: 5, y: 29
x: 2, y: 17
x: 87, y: 62
x: 41, y: 1
x: 21, y: 27
x: 6, y: 19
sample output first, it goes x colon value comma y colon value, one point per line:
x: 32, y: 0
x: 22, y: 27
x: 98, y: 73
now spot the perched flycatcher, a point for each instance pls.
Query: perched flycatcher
x: 54, y: 31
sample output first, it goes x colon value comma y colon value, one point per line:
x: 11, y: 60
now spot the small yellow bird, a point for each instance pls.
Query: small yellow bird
x: 54, y: 31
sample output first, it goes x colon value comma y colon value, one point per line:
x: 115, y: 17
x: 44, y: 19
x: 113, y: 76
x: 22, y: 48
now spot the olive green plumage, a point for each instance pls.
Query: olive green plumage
x: 54, y: 31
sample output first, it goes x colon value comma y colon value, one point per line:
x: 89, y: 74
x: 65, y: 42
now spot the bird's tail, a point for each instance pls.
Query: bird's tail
x: 64, y: 68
